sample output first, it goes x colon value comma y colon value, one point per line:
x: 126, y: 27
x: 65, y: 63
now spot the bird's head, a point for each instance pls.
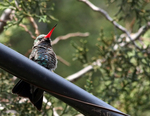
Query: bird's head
x: 44, y: 38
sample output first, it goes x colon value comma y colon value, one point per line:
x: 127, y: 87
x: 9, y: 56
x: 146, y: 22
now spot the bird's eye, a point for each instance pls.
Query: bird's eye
x: 40, y: 38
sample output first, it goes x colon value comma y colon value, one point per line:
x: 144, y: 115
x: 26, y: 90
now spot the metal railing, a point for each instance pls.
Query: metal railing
x: 54, y: 84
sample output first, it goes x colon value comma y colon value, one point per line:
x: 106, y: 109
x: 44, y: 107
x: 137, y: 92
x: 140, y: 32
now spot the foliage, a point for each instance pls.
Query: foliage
x: 125, y: 72
x: 12, y: 105
x: 122, y: 79
x: 124, y: 76
x: 38, y: 9
x: 81, y: 52
x: 130, y: 9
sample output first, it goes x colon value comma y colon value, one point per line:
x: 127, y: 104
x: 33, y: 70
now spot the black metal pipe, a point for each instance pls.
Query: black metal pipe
x: 54, y: 84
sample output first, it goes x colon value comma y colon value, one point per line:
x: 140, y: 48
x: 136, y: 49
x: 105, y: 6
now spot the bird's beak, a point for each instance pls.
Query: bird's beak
x: 50, y: 33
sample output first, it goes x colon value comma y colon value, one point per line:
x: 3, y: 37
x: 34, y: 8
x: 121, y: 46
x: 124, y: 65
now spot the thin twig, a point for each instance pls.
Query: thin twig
x: 142, y: 31
x: 26, y: 29
x: 77, y: 34
x: 32, y: 22
x: 106, y: 15
x: 79, y: 73
x: 83, y: 71
x: 134, y: 36
x: 63, y: 61
x: 35, y: 26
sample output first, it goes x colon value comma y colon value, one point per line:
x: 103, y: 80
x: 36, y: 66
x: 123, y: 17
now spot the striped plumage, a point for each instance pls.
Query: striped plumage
x: 43, y: 54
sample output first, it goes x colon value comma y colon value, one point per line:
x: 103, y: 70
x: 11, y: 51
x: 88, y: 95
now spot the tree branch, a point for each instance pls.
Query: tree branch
x: 4, y: 18
x: 35, y: 26
x: 77, y: 34
x: 63, y: 61
x: 134, y: 36
x: 106, y: 15
x: 83, y: 71
x: 26, y: 29
x: 140, y: 32
x: 31, y: 19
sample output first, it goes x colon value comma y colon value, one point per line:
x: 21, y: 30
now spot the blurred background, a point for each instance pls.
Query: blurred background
x: 120, y: 73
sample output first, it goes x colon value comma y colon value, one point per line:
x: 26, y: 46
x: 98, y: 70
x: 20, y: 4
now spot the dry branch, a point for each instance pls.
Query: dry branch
x: 83, y: 71
x: 4, y: 18
x: 31, y: 19
x: 106, y: 15
x: 88, y: 68
x: 34, y: 25
x: 135, y: 36
x: 77, y: 34
x: 63, y: 61
x: 26, y: 29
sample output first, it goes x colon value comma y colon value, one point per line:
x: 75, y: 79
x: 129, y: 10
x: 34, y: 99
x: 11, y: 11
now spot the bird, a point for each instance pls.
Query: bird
x: 43, y: 54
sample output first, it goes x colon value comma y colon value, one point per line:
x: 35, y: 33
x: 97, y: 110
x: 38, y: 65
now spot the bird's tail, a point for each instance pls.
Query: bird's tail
x: 26, y: 90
